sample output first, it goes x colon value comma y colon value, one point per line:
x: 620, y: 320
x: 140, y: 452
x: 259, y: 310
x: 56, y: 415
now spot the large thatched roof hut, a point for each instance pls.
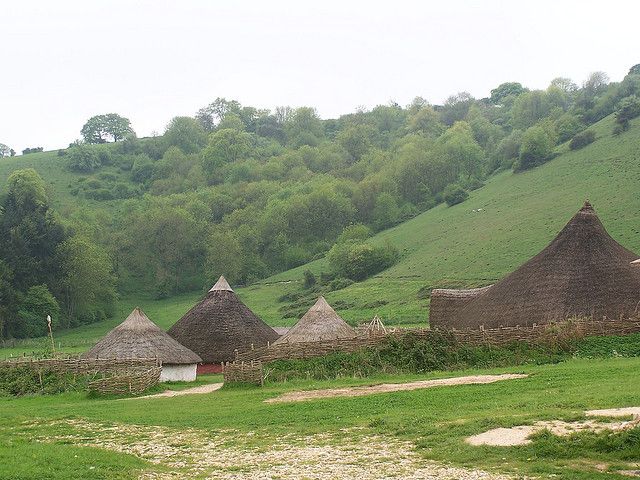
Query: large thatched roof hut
x: 321, y: 322
x: 139, y: 337
x: 582, y: 272
x: 219, y: 325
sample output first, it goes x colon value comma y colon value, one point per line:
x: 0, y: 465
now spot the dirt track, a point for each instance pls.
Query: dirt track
x: 211, y: 387
x: 390, y: 387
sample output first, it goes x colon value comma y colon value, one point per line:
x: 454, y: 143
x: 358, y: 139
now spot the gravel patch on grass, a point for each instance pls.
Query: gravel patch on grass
x: 232, y: 455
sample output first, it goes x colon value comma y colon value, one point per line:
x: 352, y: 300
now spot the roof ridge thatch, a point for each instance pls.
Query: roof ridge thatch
x: 221, y: 284
x: 220, y: 324
x: 582, y: 272
x: 321, y: 322
x: 138, y: 337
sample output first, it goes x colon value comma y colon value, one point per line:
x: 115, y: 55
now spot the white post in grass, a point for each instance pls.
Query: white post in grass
x: 53, y: 345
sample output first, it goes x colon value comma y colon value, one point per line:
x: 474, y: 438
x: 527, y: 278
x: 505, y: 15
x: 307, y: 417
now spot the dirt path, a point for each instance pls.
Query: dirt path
x: 614, y: 412
x: 211, y: 387
x: 390, y: 387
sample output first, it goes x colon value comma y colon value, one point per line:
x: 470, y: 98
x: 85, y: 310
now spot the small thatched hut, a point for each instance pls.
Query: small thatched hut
x: 139, y: 337
x: 321, y: 322
x: 582, y: 272
x: 219, y: 325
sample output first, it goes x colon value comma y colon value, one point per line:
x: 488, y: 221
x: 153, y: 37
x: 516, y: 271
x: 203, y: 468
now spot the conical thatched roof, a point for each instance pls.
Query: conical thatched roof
x: 582, y: 272
x: 220, y: 324
x: 321, y: 322
x: 139, y: 337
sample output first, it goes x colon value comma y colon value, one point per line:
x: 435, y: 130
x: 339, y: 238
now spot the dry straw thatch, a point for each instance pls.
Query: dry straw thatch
x: 139, y: 337
x: 221, y: 324
x: 582, y: 272
x: 321, y: 322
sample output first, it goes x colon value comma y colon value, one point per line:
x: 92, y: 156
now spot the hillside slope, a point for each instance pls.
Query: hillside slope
x: 515, y: 216
x: 455, y: 246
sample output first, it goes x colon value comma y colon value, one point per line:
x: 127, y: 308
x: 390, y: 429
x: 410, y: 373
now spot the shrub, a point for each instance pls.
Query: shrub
x: 628, y: 109
x: 33, y: 311
x: 454, y: 194
x: 309, y: 279
x: 18, y: 381
x: 582, y: 139
x: 357, y: 260
x: 99, y: 194
x: 83, y: 158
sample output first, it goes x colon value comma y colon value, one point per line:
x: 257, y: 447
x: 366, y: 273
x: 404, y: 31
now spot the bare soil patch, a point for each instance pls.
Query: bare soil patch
x: 509, y: 437
x: 211, y: 387
x: 615, y: 412
x: 232, y: 455
x: 390, y: 387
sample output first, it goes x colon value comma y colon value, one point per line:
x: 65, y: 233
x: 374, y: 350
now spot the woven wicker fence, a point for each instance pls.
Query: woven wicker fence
x: 571, y: 328
x: 134, y: 380
x: 244, y: 372
x: 120, y: 376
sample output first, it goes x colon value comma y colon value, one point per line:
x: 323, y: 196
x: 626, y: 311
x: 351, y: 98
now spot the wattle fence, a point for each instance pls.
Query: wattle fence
x: 547, y: 333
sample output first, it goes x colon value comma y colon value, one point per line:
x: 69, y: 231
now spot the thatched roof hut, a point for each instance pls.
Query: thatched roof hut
x: 138, y: 337
x: 220, y: 324
x: 582, y: 272
x: 321, y: 322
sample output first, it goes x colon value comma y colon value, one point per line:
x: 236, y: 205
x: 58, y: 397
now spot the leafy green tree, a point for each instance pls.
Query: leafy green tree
x: 8, y: 299
x: 461, y: 147
x: 142, y: 169
x: 309, y: 279
x: 30, y: 232
x: 456, y: 107
x: 225, y: 146
x: 582, y: 139
x: 33, y: 311
x: 529, y: 108
x: 186, y: 133
x: 628, y: 109
x: 426, y: 121
x: 233, y: 121
x: 87, y: 281
x: 567, y: 126
x: 564, y: 84
x: 105, y: 128
x: 536, y: 148
x: 304, y: 127
x: 356, y: 140
x: 386, y: 212
x: 507, y: 89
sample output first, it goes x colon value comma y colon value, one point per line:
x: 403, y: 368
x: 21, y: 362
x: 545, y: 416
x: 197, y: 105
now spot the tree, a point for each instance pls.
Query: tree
x: 628, y: 109
x: 456, y: 107
x: 386, y: 212
x: 304, y: 127
x: 426, y: 121
x: 33, y: 311
x: 107, y: 127
x: 211, y: 115
x: 30, y: 232
x: 225, y: 146
x: 529, y: 108
x: 87, y: 280
x: 582, y: 139
x: 463, y: 150
x: 185, y: 133
x: 507, y: 89
x: 356, y: 140
x: 5, y: 151
x: 564, y: 84
x: 537, y: 147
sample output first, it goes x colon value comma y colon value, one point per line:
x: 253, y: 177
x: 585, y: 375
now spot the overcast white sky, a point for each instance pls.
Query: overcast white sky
x: 151, y: 60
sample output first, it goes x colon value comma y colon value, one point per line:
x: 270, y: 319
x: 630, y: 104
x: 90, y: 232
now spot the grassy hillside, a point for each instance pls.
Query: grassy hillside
x: 445, y: 246
x: 455, y: 246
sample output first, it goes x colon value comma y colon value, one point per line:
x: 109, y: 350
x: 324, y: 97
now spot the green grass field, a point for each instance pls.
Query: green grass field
x: 445, y: 246
x: 434, y: 422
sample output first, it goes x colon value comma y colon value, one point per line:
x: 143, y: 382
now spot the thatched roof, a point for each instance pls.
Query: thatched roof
x: 321, y: 322
x: 139, y: 337
x: 445, y: 302
x: 220, y: 324
x: 582, y: 272
x: 281, y: 330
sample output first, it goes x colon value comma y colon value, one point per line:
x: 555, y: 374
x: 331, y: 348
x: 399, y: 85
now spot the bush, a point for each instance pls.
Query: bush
x: 582, y: 139
x: 33, y: 311
x: 628, y: 109
x: 454, y: 194
x: 18, y: 381
x: 99, y: 194
x: 357, y: 260
x: 309, y: 279
x: 83, y: 158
